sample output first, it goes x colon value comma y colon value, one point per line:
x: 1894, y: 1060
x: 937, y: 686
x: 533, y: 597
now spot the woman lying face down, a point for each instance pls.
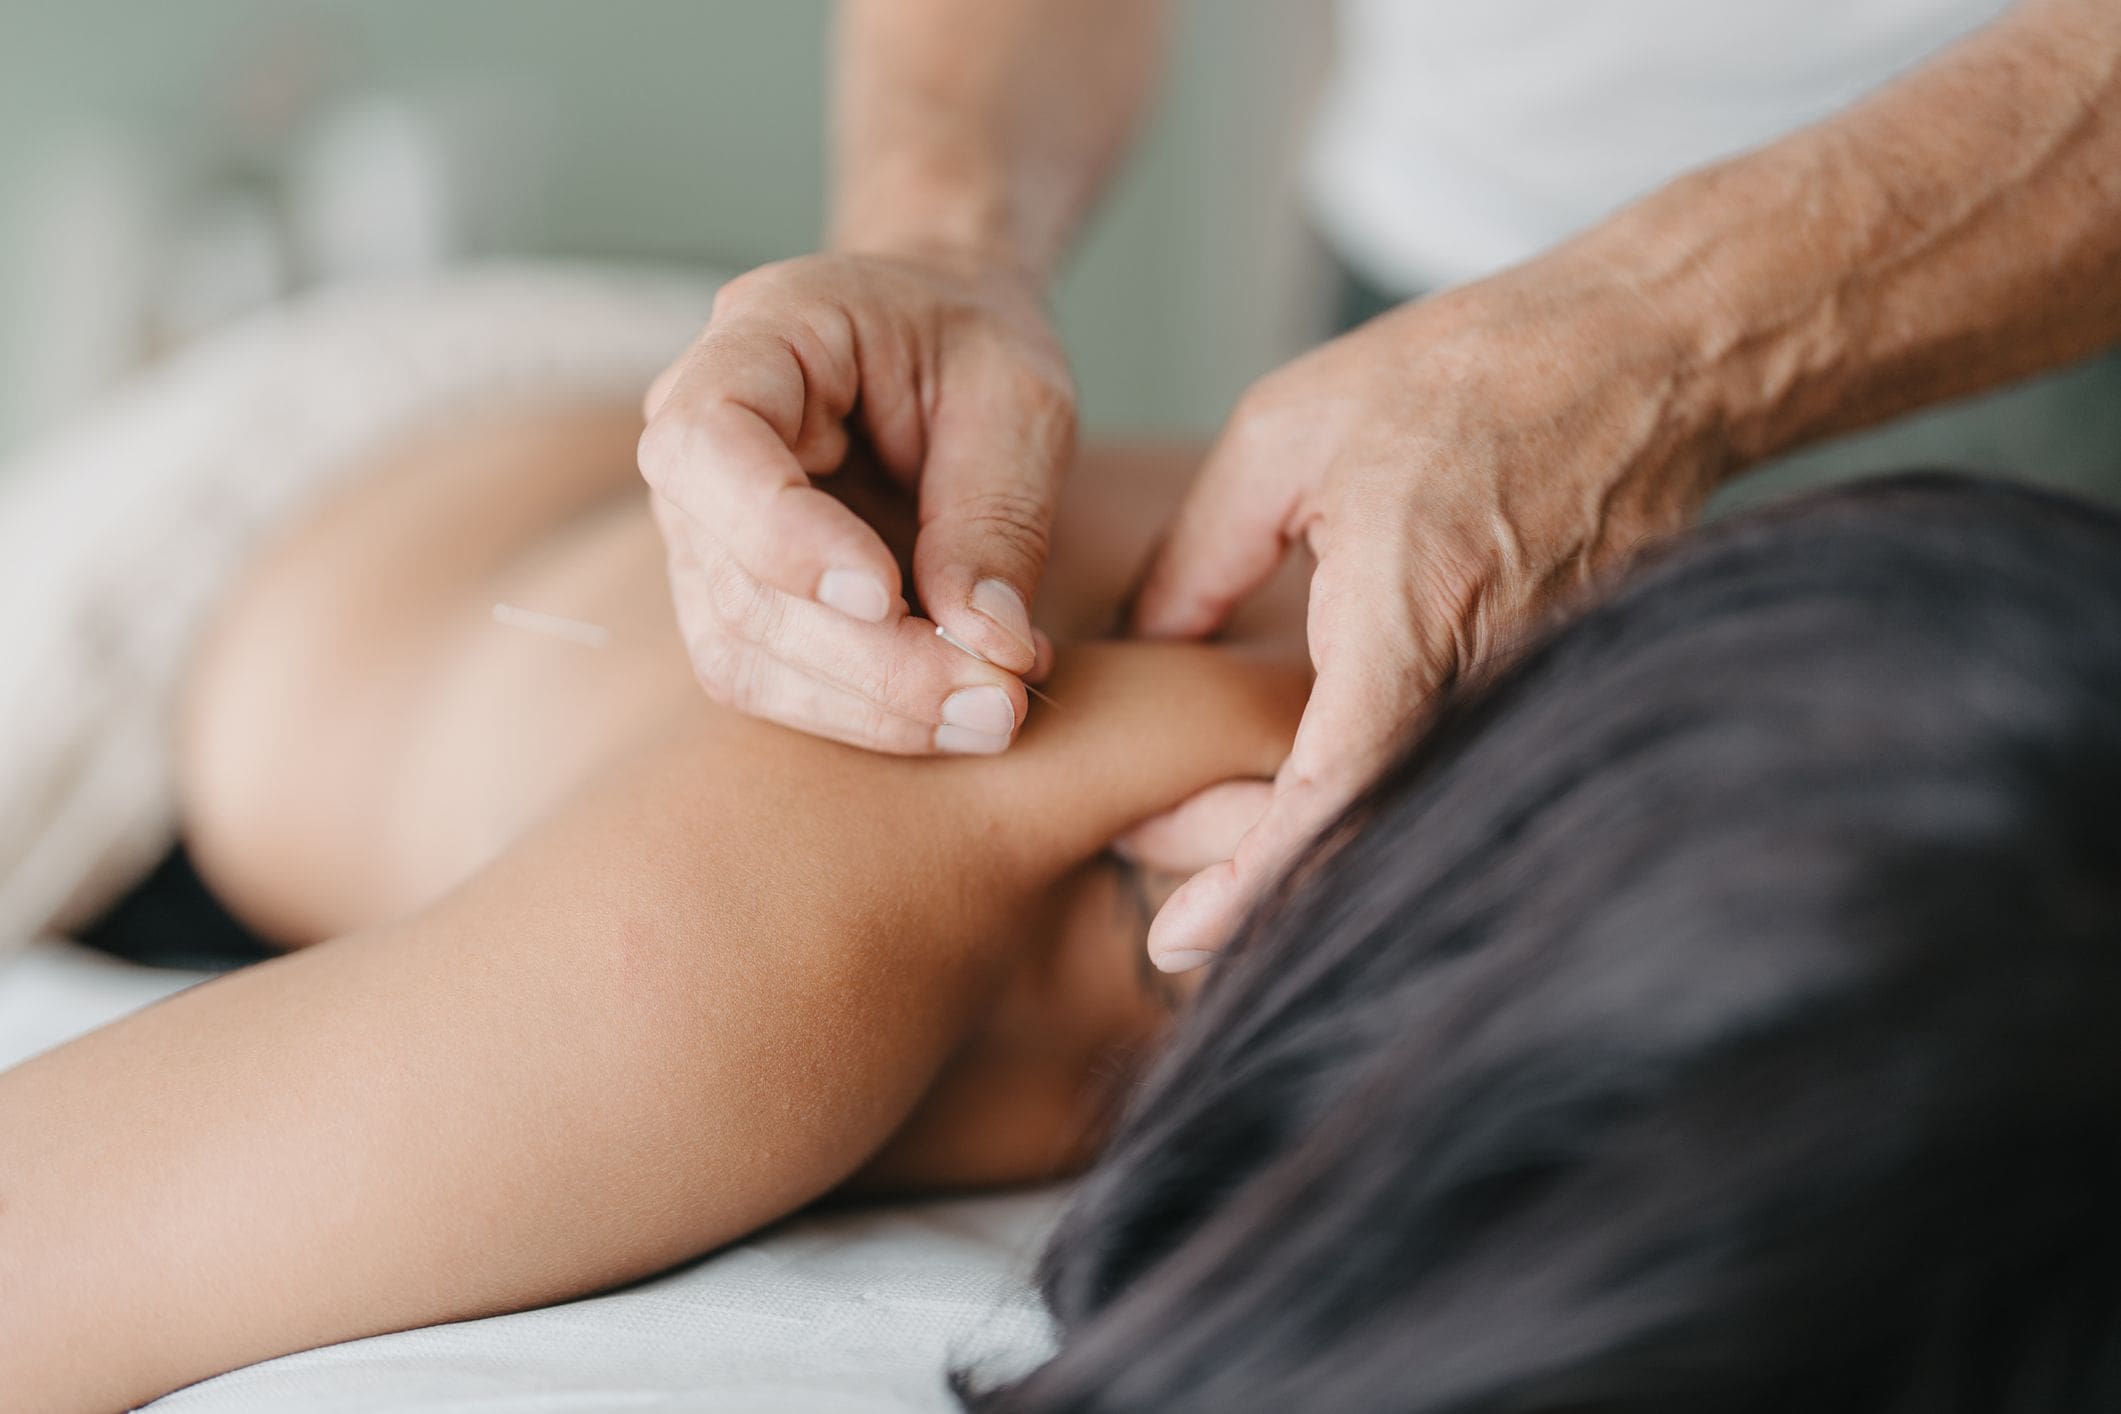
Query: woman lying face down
x: 588, y: 975
x: 1712, y: 1012
x: 1720, y: 1010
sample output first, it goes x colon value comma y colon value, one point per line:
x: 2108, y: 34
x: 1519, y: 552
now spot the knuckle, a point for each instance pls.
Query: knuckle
x: 744, y: 680
x: 714, y: 663
x: 739, y: 291
x: 881, y: 683
x: 728, y: 587
x: 765, y: 284
x: 1017, y: 521
x: 662, y: 448
x: 740, y: 604
x: 1255, y: 428
x: 1257, y: 405
x: 734, y: 673
x: 1045, y: 393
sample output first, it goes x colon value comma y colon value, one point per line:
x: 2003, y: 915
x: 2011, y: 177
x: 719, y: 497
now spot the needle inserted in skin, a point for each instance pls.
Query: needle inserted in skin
x: 587, y: 634
x: 963, y: 647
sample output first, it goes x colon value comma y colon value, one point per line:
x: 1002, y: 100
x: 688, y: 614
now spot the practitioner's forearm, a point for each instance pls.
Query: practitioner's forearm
x: 1958, y: 229
x: 984, y: 126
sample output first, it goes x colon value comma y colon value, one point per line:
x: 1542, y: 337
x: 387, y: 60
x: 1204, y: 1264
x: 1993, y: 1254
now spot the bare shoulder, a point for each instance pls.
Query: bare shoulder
x: 1112, y: 514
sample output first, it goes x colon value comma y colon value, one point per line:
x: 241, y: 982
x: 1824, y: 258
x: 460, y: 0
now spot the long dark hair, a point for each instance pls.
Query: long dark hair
x: 1718, y: 1011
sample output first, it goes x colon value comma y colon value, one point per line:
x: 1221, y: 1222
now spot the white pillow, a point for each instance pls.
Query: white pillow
x: 118, y: 533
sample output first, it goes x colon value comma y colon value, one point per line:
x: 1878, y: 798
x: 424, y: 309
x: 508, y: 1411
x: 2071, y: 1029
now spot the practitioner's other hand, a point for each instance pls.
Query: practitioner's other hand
x: 792, y: 606
x: 1201, y: 830
x: 1455, y: 465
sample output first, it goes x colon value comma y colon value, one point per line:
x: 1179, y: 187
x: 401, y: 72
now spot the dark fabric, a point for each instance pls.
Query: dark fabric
x: 171, y: 919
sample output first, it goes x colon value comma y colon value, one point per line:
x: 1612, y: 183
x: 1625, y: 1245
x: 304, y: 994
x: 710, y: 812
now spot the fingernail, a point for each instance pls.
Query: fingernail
x: 1181, y: 959
x: 967, y: 742
x: 985, y: 710
x: 1005, y: 608
x: 856, y: 593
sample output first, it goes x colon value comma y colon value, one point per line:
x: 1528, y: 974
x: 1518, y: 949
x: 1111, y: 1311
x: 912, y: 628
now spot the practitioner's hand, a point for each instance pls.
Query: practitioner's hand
x: 1455, y: 465
x: 792, y: 606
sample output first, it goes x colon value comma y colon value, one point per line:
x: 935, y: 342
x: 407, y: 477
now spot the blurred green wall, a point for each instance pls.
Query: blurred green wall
x: 690, y: 131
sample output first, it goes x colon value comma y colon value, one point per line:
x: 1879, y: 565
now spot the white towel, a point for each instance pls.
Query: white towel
x: 118, y: 534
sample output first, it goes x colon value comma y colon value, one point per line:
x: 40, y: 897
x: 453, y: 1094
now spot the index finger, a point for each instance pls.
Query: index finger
x: 893, y: 687
x: 731, y: 447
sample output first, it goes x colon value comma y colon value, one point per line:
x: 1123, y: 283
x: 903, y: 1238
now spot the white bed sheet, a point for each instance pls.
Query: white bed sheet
x: 850, y: 1312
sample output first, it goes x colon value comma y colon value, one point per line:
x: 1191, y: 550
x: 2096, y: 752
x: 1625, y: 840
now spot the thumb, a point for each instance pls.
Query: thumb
x: 1377, y: 672
x: 989, y: 486
x: 659, y: 390
x: 1230, y: 534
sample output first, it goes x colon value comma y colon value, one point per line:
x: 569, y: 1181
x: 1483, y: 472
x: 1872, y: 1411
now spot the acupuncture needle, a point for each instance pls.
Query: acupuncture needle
x: 578, y: 631
x: 963, y: 647
x: 592, y: 635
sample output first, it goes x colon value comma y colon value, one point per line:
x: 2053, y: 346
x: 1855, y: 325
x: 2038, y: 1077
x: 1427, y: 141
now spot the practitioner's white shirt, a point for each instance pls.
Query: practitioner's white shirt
x: 1458, y: 136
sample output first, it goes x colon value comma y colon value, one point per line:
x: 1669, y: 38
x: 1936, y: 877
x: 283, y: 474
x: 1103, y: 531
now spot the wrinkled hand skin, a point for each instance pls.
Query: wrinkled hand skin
x: 1470, y: 458
x: 1462, y: 464
x: 1459, y: 467
x: 945, y: 373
